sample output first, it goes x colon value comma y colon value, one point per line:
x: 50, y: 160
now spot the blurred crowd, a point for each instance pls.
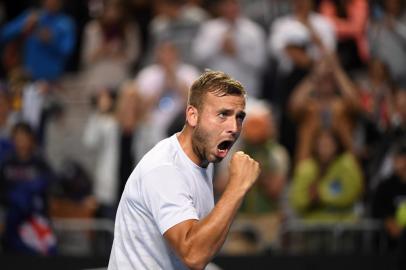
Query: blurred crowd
x: 326, y: 111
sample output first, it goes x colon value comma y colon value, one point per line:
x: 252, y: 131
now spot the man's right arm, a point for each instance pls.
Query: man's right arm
x: 196, y: 242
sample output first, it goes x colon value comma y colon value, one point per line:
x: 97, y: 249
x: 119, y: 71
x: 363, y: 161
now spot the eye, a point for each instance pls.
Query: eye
x: 241, y: 117
x: 222, y: 115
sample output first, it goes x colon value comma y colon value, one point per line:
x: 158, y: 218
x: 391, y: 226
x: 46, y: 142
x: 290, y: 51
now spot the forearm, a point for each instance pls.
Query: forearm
x: 300, y: 96
x: 347, y: 87
x: 207, y: 236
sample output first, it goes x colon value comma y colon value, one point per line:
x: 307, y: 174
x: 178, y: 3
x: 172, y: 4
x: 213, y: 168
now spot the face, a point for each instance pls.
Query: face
x: 400, y: 166
x: 4, y: 107
x: 393, y: 6
x: 24, y: 143
x: 52, y: 5
x: 104, y: 102
x: 302, y: 6
x: 112, y: 13
x: 167, y: 54
x: 400, y: 104
x: 326, y: 147
x: 229, y: 9
x: 258, y: 128
x: 217, y: 127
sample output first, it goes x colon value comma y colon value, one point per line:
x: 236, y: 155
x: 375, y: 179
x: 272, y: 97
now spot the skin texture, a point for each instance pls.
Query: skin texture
x: 219, y: 119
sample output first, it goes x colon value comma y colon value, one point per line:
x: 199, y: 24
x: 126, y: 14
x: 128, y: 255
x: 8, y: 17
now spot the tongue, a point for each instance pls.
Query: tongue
x: 222, y: 153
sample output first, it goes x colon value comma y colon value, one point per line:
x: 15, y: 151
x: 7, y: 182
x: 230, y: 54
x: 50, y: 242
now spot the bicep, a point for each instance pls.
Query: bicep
x: 177, y: 236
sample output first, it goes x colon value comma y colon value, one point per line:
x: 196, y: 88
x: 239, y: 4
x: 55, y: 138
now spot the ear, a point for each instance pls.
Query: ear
x: 192, y: 115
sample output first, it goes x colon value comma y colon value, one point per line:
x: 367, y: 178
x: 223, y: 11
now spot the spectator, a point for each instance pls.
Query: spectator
x: 325, y: 99
x: 381, y: 165
x: 111, y: 47
x: 387, y: 39
x: 177, y: 22
x: 129, y: 114
x: 350, y: 19
x: 48, y: 39
x: 163, y: 88
x: 327, y: 185
x: 102, y: 135
x: 6, y: 123
x: 24, y: 181
x: 389, y: 204
x: 233, y: 44
x: 303, y: 28
x: 376, y: 108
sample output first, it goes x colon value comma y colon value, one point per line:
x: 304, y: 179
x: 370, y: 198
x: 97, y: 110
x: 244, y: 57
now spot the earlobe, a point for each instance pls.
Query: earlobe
x: 191, y: 115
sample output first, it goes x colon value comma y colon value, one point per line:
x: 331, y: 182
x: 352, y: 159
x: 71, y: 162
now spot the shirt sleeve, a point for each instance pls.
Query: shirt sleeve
x: 168, y: 197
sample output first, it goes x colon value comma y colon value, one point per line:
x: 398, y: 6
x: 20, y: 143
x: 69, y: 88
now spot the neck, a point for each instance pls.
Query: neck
x: 185, y: 141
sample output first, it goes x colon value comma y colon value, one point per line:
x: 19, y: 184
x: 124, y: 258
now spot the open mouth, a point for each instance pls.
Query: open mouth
x: 223, y: 148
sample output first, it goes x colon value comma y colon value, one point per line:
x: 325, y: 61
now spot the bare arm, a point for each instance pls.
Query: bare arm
x: 196, y: 242
x: 300, y: 96
x: 346, y: 87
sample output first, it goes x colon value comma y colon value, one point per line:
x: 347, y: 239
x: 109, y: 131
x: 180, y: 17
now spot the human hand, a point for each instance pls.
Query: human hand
x: 44, y: 34
x: 30, y: 22
x: 243, y: 171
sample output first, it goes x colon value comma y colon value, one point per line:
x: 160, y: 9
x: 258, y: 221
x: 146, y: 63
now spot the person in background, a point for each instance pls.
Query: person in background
x: 162, y: 88
x: 6, y: 122
x: 350, y: 20
x: 101, y: 135
x: 387, y: 39
x: 389, y: 203
x: 327, y: 185
x: 325, y: 99
x: 304, y: 27
x: 48, y: 39
x: 111, y: 47
x: 25, y: 178
x: 176, y: 21
x: 233, y: 44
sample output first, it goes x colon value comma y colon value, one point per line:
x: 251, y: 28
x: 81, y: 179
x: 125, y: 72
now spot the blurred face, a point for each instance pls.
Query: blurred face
x: 377, y: 70
x: 229, y: 9
x: 400, y: 166
x: 218, y: 126
x: 167, y: 54
x: 302, y: 6
x: 326, y: 147
x: 112, y: 13
x: 104, y: 102
x: 24, y: 144
x: 400, y: 104
x: 52, y: 5
x: 4, y: 107
x: 258, y: 128
x: 393, y: 7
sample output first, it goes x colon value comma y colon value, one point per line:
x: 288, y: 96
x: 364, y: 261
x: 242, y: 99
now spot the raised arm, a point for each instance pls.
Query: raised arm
x: 196, y: 242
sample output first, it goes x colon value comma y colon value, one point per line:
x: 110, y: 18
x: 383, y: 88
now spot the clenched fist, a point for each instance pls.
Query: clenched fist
x: 243, y: 172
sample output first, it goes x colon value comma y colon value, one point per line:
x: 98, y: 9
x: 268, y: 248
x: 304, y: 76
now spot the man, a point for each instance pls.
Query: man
x: 166, y: 218
x: 48, y: 37
x: 233, y: 43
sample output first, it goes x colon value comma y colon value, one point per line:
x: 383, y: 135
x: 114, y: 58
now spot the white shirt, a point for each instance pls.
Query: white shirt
x: 102, y: 134
x: 250, y: 58
x: 164, y: 189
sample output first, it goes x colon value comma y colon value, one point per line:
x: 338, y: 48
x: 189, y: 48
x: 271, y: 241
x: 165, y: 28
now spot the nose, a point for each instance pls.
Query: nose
x: 233, y: 127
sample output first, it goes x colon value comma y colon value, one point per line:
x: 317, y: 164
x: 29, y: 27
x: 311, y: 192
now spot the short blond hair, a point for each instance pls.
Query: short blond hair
x: 215, y: 82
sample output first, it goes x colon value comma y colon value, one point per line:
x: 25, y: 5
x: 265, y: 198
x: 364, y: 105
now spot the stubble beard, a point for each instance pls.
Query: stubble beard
x: 200, y: 143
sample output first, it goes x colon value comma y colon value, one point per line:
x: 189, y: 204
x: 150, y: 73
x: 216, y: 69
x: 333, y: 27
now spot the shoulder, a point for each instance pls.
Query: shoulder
x: 162, y: 157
